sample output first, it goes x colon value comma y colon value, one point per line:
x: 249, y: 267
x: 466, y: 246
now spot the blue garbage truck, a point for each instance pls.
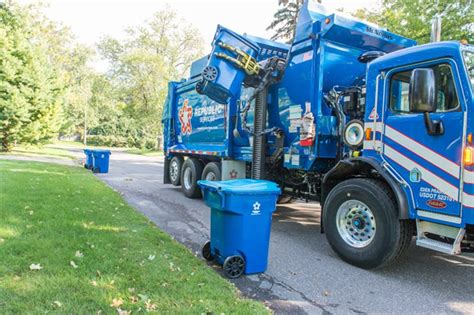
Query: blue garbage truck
x: 375, y: 127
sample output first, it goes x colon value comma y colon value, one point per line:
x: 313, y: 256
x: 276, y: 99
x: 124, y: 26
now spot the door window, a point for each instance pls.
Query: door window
x: 446, y: 96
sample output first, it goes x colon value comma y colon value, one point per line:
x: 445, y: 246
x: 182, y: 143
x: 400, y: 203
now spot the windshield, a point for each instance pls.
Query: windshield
x: 469, y: 59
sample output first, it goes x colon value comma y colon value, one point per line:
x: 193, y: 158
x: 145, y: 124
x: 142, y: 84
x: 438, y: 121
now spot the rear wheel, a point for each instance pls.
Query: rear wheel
x: 362, y: 225
x: 191, y: 172
x: 284, y: 198
x: 175, y: 170
x: 212, y: 171
x: 206, y: 251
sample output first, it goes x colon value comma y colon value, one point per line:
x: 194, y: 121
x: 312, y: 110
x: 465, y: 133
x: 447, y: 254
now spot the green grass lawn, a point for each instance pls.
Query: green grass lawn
x: 94, y: 253
x: 44, y: 151
x: 146, y: 152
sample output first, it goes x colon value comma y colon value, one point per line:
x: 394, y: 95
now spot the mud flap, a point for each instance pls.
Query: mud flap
x: 166, y: 174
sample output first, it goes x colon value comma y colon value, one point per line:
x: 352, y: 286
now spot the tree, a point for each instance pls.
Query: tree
x: 413, y: 18
x: 143, y: 63
x: 29, y: 86
x: 284, y: 20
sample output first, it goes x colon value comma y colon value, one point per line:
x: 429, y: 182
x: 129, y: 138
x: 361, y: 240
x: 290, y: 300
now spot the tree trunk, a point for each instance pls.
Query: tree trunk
x: 5, y: 144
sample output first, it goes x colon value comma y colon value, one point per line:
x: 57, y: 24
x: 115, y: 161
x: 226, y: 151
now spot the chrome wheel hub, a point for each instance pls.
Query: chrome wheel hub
x: 210, y: 176
x: 174, y: 171
x: 356, y: 223
x: 188, y: 178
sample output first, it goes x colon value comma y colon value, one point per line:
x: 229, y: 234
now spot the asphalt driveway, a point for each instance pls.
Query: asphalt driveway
x: 304, y: 274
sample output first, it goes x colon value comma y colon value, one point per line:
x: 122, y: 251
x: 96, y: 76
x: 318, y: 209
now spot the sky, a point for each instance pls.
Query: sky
x: 90, y: 20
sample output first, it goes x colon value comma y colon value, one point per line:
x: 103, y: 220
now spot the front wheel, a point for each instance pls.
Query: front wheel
x: 234, y: 266
x: 361, y: 223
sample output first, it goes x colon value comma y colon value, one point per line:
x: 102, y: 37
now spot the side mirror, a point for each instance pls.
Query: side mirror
x: 422, y: 92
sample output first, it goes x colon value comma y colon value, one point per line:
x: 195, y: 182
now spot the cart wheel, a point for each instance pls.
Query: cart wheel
x: 86, y: 166
x: 206, y: 251
x: 234, y: 266
x: 95, y: 170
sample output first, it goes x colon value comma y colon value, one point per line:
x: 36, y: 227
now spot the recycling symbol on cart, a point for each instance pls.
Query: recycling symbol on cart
x: 256, y: 208
x: 185, y: 114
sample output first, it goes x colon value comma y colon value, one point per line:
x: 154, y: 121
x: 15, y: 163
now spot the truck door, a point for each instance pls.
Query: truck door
x: 430, y: 164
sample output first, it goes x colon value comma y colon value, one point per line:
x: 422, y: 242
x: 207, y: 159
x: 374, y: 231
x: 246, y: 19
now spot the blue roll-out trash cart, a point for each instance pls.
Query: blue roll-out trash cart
x: 241, y: 220
x: 221, y: 77
x: 100, y: 160
x: 89, y: 159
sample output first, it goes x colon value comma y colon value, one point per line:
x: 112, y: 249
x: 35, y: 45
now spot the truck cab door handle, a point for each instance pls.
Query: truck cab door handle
x: 434, y: 127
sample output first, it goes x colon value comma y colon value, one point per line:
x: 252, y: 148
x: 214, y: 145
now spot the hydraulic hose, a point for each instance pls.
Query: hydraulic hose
x: 259, y: 138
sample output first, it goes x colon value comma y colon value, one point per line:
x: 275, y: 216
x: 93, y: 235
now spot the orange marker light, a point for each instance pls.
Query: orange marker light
x: 468, y: 156
x: 327, y: 20
x: 368, y: 134
x: 469, y: 138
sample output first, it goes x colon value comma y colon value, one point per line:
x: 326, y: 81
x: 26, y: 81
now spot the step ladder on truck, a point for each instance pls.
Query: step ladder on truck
x: 376, y: 128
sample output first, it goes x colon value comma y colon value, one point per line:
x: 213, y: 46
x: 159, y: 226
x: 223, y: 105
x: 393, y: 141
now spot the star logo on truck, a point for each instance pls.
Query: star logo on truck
x: 185, y: 114
x: 233, y: 174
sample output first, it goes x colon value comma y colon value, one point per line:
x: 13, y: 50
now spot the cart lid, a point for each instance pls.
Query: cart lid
x: 241, y: 186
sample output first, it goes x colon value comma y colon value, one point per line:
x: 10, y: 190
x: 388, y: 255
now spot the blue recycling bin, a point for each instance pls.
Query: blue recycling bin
x: 221, y: 78
x: 89, y: 158
x: 241, y: 219
x: 100, y: 161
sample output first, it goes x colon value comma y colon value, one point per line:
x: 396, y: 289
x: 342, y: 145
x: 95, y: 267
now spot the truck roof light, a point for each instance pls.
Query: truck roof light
x: 468, y: 156
x: 469, y: 138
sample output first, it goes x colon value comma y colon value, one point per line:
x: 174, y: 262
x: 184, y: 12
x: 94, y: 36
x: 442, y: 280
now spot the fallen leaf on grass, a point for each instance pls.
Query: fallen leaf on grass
x: 150, y: 306
x: 151, y: 257
x: 79, y: 254
x: 134, y: 299
x: 116, y: 303
x: 31, y: 212
x: 73, y: 264
x: 57, y: 304
x: 2, y: 241
x: 35, y: 267
x: 94, y: 283
x: 123, y: 312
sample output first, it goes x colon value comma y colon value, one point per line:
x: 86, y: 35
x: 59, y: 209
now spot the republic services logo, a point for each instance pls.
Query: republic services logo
x: 185, y: 114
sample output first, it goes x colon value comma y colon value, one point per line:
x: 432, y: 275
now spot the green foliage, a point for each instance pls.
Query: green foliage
x: 413, y: 18
x: 284, y: 20
x: 30, y: 88
x: 141, y: 66
x: 69, y: 244
x: 47, y: 85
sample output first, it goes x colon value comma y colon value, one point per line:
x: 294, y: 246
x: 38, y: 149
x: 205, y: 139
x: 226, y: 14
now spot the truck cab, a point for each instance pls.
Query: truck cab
x: 418, y: 144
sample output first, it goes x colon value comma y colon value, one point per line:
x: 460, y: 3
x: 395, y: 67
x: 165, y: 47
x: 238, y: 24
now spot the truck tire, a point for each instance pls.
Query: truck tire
x: 212, y: 171
x: 175, y: 170
x: 362, y: 226
x: 284, y: 199
x: 191, y: 172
